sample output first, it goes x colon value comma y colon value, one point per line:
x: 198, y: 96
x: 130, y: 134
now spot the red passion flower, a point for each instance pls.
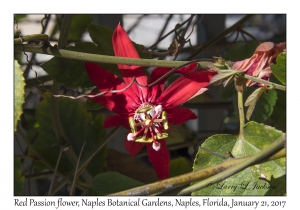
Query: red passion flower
x: 146, y: 111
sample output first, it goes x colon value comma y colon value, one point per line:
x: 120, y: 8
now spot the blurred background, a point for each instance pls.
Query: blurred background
x: 215, y: 108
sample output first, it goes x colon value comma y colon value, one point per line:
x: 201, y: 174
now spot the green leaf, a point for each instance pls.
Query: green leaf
x: 19, y: 84
x: 264, y: 106
x: 223, y: 77
x: 280, y: 184
x: 256, y: 137
x: 78, y: 26
x: 241, y: 50
x: 78, y: 125
x: 279, y: 70
x: 228, y: 91
x: 111, y: 182
x: 139, y: 48
x: 252, y: 99
x: 102, y: 36
x: 18, y: 178
x: 19, y: 17
x: 279, y: 114
x: 179, y: 166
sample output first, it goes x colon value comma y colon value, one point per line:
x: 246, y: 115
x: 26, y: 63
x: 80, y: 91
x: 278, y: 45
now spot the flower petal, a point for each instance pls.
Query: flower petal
x: 102, y: 78
x: 156, y: 90
x: 123, y: 47
x: 264, y: 47
x: 116, y: 103
x: 185, y: 88
x: 180, y: 115
x: 133, y: 147
x: 160, y: 160
x: 244, y: 65
x: 115, y: 120
x: 120, y: 102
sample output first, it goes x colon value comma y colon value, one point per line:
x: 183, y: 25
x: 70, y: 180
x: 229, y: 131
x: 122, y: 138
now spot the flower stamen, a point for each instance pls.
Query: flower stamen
x: 147, y: 127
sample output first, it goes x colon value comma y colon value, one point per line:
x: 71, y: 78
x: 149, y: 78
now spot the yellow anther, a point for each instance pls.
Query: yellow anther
x: 165, y: 120
x: 141, y: 140
x: 161, y: 136
x: 132, y: 125
x: 144, y: 109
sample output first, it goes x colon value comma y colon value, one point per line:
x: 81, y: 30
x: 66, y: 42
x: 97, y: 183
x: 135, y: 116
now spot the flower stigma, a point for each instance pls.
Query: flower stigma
x: 148, y: 125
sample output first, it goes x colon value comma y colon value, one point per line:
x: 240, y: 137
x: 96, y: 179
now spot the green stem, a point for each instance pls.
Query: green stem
x: 254, y: 159
x: 220, y: 36
x: 32, y: 37
x: 241, y: 113
x: 49, y: 50
x: 270, y: 84
x: 185, y: 179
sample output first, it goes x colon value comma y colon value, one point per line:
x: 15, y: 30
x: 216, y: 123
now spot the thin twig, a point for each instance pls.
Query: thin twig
x: 30, y: 170
x: 99, y: 94
x: 249, y: 34
x: 220, y: 36
x: 164, y: 28
x: 163, y: 37
x: 169, y: 73
x: 75, y: 174
x: 241, y: 113
x: 55, y: 170
x: 136, y: 23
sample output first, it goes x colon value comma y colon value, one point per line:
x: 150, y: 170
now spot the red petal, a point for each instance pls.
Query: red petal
x: 115, y: 120
x: 157, y: 89
x: 180, y: 115
x: 264, y: 47
x: 115, y: 103
x: 244, y: 65
x: 160, y: 160
x: 133, y: 147
x: 185, y: 88
x: 120, y: 102
x: 102, y: 78
x: 123, y: 47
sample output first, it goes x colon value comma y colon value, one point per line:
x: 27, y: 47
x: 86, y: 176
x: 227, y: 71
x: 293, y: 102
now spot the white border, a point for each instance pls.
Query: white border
x: 8, y: 8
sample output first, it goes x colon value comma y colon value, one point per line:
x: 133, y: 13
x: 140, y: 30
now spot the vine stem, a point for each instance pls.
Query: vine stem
x: 32, y: 37
x: 262, y: 81
x: 185, y: 179
x: 241, y: 113
x: 254, y: 159
x: 49, y: 50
